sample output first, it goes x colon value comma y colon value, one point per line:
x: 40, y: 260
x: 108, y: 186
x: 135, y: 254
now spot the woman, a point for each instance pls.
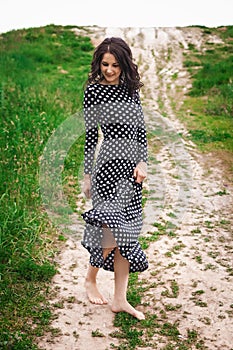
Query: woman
x: 114, y: 181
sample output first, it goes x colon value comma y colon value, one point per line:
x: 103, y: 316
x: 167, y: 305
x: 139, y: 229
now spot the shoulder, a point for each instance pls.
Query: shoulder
x: 90, y: 95
x: 89, y: 90
x: 93, y: 89
x: 136, y: 97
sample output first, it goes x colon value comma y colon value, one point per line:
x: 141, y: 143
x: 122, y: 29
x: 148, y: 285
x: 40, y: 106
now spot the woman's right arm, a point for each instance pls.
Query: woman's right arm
x: 91, y: 138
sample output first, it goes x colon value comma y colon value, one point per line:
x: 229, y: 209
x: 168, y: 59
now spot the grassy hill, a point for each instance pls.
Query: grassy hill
x: 43, y: 71
x: 210, y: 100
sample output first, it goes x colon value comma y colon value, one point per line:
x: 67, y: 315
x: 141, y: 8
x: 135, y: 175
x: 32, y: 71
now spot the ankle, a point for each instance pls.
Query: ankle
x: 91, y: 274
x: 90, y: 279
x: 119, y: 299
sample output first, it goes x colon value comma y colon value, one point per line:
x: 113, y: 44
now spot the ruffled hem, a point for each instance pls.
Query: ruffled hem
x: 98, y: 217
x: 132, y: 252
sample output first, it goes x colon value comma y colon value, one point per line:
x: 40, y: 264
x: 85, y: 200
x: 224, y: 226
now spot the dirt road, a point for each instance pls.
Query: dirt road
x: 184, y: 190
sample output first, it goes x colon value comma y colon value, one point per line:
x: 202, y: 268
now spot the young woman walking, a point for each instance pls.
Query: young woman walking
x: 114, y: 180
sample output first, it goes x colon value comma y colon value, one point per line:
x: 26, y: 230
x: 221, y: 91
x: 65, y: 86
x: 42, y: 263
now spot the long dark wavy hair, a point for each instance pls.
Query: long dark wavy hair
x: 123, y: 54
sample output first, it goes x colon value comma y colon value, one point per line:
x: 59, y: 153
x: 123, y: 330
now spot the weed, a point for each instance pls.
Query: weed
x: 171, y: 307
x: 209, y: 267
x: 97, y: 333
x: 198, y: 292
x: 222, y: 193
x: 196, y: 230
x: 200, y: 303
x: 198, y: 259
x: 176, y: 248
x: 174, y: 290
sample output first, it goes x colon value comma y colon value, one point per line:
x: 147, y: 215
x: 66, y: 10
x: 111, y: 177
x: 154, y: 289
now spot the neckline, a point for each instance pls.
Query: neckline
x: 109, y: 85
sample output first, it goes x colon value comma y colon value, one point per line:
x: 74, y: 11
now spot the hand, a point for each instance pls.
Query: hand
x: 87, y: 185
x: 140, y: 172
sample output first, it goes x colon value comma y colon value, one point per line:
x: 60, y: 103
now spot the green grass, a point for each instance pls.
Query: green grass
x: 208, y: 107
x: 155, y: 330
x: 42, y: 72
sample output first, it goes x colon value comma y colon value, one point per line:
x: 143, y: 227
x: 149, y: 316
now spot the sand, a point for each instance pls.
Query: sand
x: 186, y: 188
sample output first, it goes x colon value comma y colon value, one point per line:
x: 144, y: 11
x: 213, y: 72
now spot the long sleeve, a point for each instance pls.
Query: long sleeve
x: 141, y: 136
x: 91, y: 130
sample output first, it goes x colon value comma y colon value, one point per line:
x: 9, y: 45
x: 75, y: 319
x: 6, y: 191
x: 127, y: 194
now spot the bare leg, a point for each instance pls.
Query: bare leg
x: 108, y: 243
x: 108, y: 240
x: 91, y: 288
x: 120, y: 303
x: 93, y: 293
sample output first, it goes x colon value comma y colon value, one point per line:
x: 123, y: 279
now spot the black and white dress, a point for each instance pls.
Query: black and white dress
x: 116, y: 196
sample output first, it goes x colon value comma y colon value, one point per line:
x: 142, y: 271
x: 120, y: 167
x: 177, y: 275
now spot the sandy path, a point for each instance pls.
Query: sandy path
x: 185, y: 190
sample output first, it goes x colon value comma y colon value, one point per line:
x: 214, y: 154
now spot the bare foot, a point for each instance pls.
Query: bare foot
x: 93, y: 294
x: 126, y: 307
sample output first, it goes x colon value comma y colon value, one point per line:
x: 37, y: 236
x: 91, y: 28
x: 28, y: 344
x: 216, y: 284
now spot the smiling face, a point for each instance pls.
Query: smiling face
x: 110, y: 69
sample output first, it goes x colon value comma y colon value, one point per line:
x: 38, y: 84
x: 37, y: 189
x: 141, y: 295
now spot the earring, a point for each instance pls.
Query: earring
x: 100, y: 76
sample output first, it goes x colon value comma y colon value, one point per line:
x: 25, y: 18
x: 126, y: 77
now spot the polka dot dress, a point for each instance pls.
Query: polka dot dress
x: 116, y: 216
